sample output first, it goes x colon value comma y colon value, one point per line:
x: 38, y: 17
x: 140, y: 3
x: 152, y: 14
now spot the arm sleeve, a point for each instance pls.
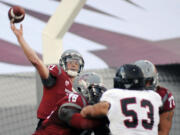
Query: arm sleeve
x: 50, y: 81
x: 54, y: 72
x: 104, y: 128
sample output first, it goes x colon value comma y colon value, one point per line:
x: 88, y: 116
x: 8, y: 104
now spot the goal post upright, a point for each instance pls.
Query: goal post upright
x: 57, y: 26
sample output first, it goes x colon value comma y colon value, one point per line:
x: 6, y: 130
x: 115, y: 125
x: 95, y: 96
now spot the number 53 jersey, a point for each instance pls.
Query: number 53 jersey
x: 133, y: 112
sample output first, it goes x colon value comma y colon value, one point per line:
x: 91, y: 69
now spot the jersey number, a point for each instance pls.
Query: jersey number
x: 72, y: 97
x: 132, y: 113
x: 51, y: 67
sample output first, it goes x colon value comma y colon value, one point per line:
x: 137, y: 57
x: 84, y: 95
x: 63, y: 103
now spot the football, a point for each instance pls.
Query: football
x: 16, y: 14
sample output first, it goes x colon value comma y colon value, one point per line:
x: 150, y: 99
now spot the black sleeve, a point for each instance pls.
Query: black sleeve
x: 103, y: 129
x: 87, y: 132
x: 50, y: 81
x: 66, y: 112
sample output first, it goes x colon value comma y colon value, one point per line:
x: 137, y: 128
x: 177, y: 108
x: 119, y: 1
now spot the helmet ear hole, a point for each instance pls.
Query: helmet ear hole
x: 79, y: 89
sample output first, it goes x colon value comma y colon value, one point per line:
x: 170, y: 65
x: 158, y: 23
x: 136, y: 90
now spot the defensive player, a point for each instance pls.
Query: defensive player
x: 57, y: 79
x: 130, y: 109
x: 65, y: 119
x: 167, y: 110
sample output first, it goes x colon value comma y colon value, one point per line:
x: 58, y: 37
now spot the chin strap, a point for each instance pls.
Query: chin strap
x: 73, y: 89
x: 72, y: 73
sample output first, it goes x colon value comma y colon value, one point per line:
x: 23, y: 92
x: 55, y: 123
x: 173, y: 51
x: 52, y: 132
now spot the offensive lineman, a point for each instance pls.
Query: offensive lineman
x: 83, y: 81
x: 65, y: 119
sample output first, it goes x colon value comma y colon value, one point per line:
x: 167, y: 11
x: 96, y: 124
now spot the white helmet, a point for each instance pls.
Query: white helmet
x: 74, y: 55
x: 90, y: 86
x: 150, y: 72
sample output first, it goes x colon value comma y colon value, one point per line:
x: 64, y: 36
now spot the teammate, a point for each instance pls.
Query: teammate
x: 167, y: 110
x: 130, y: 109
x: 57, y: 79
x: 86, y: 81
x: 65, y: 119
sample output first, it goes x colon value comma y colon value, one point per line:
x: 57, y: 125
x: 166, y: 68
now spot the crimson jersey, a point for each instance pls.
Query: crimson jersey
x: 167, y: 98
x: 52, y: 125
x: 51, y: 95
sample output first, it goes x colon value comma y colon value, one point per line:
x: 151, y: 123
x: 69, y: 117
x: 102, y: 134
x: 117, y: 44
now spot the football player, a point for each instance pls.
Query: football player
x: 129, y: 107
x: 57, y: 79
x: 167, y: 110
x: 91, y: 79
x: 65, y: 119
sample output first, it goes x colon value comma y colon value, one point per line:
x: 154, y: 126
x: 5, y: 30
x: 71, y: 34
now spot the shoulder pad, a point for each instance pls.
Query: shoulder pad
x: 55, y: 70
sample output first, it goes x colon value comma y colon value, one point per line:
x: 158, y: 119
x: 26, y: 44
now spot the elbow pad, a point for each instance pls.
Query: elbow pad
x: 66, y: 112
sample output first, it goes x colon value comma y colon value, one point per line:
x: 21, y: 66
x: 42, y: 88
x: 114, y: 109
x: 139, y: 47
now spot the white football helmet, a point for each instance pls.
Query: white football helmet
x: 150, y: 72
x: 90, y: 86
x: 71, y: 55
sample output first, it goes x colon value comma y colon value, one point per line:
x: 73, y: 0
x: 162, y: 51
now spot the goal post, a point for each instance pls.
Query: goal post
x: 57, y: 26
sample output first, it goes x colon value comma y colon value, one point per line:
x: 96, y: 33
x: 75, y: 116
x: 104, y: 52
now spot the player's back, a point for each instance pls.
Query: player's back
x: 133, y: 112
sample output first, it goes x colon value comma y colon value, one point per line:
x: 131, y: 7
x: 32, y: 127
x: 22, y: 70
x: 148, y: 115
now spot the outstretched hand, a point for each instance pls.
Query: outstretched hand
x: 17, y: 32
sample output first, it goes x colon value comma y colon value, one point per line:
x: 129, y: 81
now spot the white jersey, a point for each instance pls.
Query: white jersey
x: 133, y: 112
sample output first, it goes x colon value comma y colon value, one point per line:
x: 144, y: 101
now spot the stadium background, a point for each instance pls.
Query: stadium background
x: 19, y: 98
x: 121, y: 41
